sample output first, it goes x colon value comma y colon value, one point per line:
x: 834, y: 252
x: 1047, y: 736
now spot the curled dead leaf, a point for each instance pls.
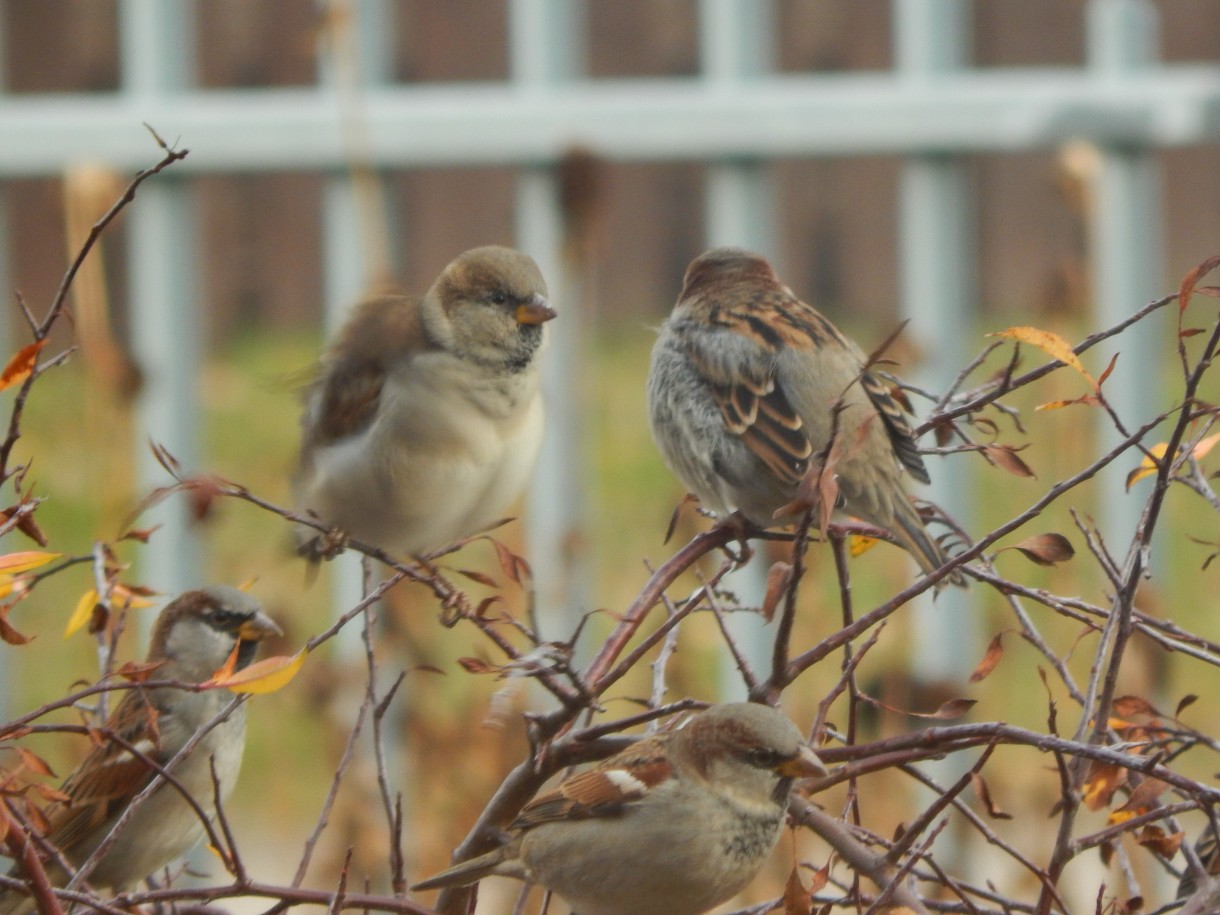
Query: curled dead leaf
x: 1044, y: 549
x: 984, y: 796
x: 991, y: 658
x: 779, y: 576
x: 1005, y: 457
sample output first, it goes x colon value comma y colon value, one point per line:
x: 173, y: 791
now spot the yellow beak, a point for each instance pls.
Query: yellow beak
x: 536, y: 311
x: 258, y: 627
x: 805, y: 765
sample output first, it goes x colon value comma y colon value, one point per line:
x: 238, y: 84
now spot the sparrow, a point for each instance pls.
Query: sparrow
x: 743, y: 390
x: 192, y: 639
x: 425, y: 419
x: 674, y: 825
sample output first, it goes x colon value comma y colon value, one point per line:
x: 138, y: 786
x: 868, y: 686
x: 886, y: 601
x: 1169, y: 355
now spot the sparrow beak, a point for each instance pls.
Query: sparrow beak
x: 258, y: 627
x: 536, y: 311
x: 805, y: 765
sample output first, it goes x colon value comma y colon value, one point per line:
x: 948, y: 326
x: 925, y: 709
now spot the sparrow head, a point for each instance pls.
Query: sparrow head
x: 489, y: 306
x: 197, y: 632
x: 747, y: 749
x: 721, y: 270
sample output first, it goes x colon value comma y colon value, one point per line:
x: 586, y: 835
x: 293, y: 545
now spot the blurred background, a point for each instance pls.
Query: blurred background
x: 968, y: 166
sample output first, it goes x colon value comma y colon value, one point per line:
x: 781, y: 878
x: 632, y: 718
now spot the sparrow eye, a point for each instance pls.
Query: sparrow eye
x: 763, y: 757
x: 226, y: 619
x: 497, y: 298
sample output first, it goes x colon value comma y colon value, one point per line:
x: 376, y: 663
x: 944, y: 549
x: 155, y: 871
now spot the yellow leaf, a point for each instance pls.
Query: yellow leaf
x: 6, y: 585
x: 1120, y: 816
x: 1050, y: 343
x: 265, y: 676
x: 23, y: 562
x: 21, y: 366
x: 1147, y: 466
x: 858, y: 544
x: 83, y: 612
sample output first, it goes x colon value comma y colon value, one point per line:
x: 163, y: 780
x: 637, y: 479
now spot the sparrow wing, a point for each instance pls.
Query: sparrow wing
x: 110, y: 776
x: 343, y: 401
x: 902, y: 436
x: 604, y: 790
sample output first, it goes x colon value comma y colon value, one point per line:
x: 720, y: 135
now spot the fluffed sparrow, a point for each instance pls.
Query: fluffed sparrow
x: 193, y: 638
x: 425, y: 420
x: 674, y: 825
x: 742, y: 392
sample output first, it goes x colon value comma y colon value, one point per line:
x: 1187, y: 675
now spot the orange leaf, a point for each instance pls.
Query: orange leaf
x: 1154, y: 837
x: 995, y: 651
x: 1127, y: 706
x: 265, y: 676
x: 1103, y: 780
x: 1050, y: 343
x: 21, y: 366
x: 858, y: 544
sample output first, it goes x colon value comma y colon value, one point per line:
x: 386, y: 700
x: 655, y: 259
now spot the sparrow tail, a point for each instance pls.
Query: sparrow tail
x: 466, y: 872
x: 919, y: 543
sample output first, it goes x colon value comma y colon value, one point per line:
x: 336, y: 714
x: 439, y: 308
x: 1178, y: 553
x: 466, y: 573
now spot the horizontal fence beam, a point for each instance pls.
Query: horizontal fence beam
x: 497, y: 124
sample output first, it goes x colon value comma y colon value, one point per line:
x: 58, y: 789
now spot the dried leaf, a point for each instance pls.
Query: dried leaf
x: 1128, y: 706
x: 796, y: 899
x: 1144, y: 797
x: 1102, y: 781
x: 10, y: 635
x: 480, y: 577
x: 136, y: 672
x: 34, y: 762
x: 859, y: 544
x: 21, y: 366
x: 142, y: 534
x: 1109, y: 369
x: 14, y: 563
x: 265, y: 676
x: 1187, y: 289
x: 514, y: 566
x: 476, y: 666
x: 1045, y: 549
x: 820, y: 878
x: 953, y: 708
x: 1005, y: 457
x: 1187, y: 701
x: 1050, y: 343
x: 779, y: 576
x: 131, y: 597
x: 991, y: 658
x: 984, y: 796
x: 83, y: 612
x: 1154, y: 838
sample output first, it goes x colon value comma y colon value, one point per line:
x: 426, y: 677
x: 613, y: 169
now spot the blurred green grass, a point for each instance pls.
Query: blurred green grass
x: 81, y: 449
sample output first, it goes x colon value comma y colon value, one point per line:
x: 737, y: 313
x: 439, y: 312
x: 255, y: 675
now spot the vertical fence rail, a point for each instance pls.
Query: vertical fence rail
x: 736, y: 38
x: 547, y: 47
x: 157, y: 57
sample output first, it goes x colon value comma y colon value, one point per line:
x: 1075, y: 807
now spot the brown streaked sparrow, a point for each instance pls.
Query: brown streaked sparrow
x: 742, y: 392
x: 674, y: 825
x: 426, y: 419
x: 193, y: 638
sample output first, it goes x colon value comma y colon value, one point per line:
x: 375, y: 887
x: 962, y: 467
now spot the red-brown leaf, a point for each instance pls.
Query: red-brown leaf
x: 34, y: 762
x: 779, y: 576
x: 514, y: 566
x: 21, y: 366
x: 1192, y: 278
x: 1153, y: 837
x: 476, y: 666
x: 480, y: 577
x: 796, y: 899
x: 1187, y: 701
x: 9, y: 634
x: 984, y: 796
x: 137, y: 673
x: 991, y: 658
x: 1045, y: 549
